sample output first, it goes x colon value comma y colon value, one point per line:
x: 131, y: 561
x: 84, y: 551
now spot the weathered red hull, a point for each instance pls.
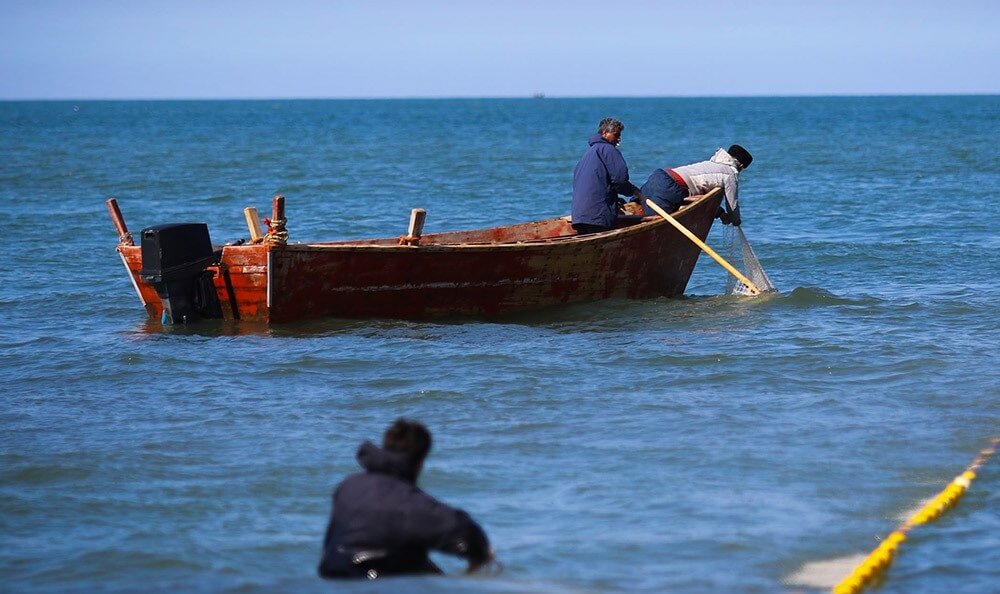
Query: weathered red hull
x: 478, y: 273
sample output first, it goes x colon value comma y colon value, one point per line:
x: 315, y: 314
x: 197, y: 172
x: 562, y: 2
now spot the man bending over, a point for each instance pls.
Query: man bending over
x: 669, y: 187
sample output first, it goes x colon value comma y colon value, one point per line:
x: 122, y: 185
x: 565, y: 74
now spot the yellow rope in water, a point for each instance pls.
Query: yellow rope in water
x: 878, y: 561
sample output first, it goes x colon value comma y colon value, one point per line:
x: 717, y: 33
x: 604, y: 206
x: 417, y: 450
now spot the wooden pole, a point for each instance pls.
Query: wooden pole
x: 704, y: 246
x: 417, y: 217
x: 253, y: 223
x: 124, y: 237
x: 278, y: 208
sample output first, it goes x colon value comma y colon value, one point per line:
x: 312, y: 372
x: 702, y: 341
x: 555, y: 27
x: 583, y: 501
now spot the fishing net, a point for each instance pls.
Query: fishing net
x: 742, y: 256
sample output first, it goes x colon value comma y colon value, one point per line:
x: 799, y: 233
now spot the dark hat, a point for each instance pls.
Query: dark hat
x: 740, y: 154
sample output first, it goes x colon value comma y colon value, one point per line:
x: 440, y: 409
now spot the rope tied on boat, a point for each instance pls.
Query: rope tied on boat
x: 409, y: 240
x: 276, y: 233
x: 878, y: 560
x: 126, y: 239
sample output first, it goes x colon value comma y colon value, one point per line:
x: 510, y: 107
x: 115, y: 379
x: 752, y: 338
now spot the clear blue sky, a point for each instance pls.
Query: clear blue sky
x: 92, y: 49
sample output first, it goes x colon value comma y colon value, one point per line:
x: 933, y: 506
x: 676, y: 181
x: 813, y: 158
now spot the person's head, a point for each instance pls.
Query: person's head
x: 409, y: 438
x: 740, y: 154
x: 610, y: 129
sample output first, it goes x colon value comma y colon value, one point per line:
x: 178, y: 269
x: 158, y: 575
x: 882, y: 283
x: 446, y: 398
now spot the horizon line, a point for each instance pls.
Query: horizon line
x: 533, y: 96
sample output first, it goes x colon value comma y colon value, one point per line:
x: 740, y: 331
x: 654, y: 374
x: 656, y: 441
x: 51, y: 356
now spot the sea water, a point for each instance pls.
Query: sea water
x: 709, y: 443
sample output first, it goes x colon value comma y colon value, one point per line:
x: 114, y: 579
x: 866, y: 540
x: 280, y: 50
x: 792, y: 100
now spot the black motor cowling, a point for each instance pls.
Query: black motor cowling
x: 174, y: 261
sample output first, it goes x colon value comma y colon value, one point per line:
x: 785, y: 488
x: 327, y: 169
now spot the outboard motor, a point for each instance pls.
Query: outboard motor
x: 174, y: 261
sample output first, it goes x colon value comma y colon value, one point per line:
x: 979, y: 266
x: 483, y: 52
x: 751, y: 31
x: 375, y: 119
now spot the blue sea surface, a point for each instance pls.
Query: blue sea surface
x: 709, y: 443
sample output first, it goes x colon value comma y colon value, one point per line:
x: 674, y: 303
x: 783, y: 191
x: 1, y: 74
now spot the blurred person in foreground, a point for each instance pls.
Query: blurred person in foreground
x: 669, y: 187
x: 382, y: 524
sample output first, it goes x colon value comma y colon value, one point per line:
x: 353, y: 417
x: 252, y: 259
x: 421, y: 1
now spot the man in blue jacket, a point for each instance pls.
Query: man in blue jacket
x: 383, y: 524
x: 600, y: 176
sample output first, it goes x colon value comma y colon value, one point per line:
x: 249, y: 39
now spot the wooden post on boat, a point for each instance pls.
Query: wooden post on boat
x: 278, y: 208
x: 124, y: 237
x: 276, y: 233
x: 253, y: 223
x: 417, y: 218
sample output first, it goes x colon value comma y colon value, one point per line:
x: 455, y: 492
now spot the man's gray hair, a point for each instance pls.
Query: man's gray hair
x: 610, y: 125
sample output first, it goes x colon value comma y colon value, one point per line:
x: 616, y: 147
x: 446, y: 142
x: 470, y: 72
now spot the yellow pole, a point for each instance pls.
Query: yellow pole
x: 704, y: 246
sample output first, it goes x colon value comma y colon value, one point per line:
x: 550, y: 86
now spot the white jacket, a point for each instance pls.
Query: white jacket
x: 721, y: 171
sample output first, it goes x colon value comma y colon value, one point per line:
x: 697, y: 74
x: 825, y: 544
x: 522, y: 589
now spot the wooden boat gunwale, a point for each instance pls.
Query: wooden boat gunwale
x: 639, y: 226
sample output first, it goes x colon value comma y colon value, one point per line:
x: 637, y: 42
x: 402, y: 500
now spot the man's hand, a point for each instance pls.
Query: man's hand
x: 632, y: 208
x: 488, y: 566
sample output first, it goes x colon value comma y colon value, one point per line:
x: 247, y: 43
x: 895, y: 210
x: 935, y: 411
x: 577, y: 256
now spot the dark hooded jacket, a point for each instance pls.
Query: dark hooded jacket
x: 600, y: 176
x: 383, y: 524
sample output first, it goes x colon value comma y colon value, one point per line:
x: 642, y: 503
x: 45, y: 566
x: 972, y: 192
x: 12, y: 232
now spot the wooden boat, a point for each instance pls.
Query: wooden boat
x: 480, y: 273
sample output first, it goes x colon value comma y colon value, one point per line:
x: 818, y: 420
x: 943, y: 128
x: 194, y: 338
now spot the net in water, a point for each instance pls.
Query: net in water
x: 742, y: 256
